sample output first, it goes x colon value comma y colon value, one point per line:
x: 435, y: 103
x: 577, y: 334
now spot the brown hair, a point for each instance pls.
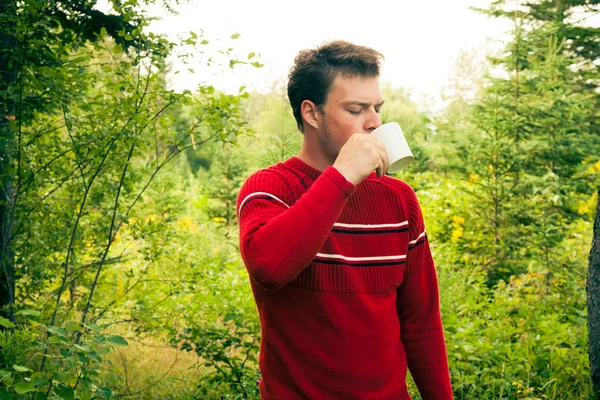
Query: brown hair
x: 315, y: 69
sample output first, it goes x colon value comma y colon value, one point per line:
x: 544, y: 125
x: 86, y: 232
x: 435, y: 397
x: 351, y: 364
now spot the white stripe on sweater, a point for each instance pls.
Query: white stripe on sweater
x: 260, y: 194
x: 415, y: 241
x: 370, y: 226
x: 380, y: 258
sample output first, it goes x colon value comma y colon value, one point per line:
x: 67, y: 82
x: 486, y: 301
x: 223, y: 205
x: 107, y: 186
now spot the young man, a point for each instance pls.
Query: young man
x: 337, y: 253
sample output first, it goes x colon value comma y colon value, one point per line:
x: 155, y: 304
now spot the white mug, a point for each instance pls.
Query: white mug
x: 399, y: 154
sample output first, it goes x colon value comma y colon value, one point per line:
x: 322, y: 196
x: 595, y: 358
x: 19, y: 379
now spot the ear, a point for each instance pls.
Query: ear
x: 310, y: 114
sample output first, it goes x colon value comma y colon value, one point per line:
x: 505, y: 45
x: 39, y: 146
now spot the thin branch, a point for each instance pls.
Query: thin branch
x: 34, y: 173
x: 125, y: 372
x: 74, y: 231
x: 110, y: 142
x: 101, y: 313
x: 39, y: 134
x: 74, y: 149
x: 169, y: 157
x: 110, y: 235
x: 80, y: 270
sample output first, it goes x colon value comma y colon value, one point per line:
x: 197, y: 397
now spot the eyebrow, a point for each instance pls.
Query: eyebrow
x: 362, y: 104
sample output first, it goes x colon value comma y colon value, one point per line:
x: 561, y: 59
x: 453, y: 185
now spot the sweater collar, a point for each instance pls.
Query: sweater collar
x: 299, y: 165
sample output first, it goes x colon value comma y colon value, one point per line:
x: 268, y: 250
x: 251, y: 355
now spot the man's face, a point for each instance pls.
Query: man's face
x: 352, y: 106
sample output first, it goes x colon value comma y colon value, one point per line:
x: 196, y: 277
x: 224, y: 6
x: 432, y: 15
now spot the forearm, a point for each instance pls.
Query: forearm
x: 422, y: 333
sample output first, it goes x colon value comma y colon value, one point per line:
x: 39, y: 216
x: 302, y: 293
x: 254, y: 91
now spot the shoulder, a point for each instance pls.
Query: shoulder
x: 405, y: 196
x: 275, y: 180
x: 399, y: 187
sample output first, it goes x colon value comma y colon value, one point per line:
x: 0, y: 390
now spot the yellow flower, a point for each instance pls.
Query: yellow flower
x: 187, y: 224
x: 582, y: 207
x: 458, y: 220
x: 457, y: 233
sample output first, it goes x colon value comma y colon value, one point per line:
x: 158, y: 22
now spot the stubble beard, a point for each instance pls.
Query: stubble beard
x: 329, y: 147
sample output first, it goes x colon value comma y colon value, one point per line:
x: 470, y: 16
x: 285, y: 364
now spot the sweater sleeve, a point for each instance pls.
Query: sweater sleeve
x: 418, y: 308
x: 279, y: 240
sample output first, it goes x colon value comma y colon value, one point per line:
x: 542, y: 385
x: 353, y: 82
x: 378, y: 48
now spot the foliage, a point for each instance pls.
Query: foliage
x: 122, y: 216
x: 74, y: 356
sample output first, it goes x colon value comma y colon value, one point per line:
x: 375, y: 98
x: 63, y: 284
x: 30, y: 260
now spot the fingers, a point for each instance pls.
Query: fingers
x: 383, y: 161
x: 379, y: 161
x: 382, y: 154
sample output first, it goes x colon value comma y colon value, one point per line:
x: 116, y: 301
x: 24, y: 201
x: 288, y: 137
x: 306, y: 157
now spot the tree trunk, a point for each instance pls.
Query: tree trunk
x: 7, y: 112
x: 593, y: 302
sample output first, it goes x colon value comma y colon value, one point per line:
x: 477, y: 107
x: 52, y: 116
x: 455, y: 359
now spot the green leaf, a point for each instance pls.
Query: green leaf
x: 65, y: 392
x: 251, y: 55
x: 4, y: 394
x: 6, y: 323
x: 204, y: 42
x: 61, y: 376
x: 85, y: 383
x: 83, y: 358
x: 66, y: 353
x: 94, y: 327
x: 104, y: 392
x: 56, y: 330
x: 118, y: 340
x: 39, y: 379
x: 40, y: 396
x: 95, y: 356
x: 18, y: 368
x: 26, y: 312
x: 24, y: 387
x: 58, y: 339
x: 117, y: 49
x: 235, y: 36
x: 83, y: 347
x: 103, y: 32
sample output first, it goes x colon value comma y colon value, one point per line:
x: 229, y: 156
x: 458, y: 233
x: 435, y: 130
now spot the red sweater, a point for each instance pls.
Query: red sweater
x: 345, y: 286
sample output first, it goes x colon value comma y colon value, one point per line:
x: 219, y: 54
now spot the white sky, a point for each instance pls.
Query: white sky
x: 419, y: 39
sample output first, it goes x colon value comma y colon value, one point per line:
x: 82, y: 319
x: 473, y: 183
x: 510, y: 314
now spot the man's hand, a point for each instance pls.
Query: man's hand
x: 361, y: 155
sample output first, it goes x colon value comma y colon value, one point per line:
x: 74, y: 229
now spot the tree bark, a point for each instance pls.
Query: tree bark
x: 7, y: 141
x: 593, y: 302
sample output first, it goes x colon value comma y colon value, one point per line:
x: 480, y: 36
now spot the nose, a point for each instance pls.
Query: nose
x: 373, y: 120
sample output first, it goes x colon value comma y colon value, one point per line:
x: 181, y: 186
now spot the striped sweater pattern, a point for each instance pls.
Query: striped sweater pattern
x: 345, y: 286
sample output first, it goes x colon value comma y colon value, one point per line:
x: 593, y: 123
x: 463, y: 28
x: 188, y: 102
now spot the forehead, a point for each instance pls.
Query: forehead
x: 355, y: 89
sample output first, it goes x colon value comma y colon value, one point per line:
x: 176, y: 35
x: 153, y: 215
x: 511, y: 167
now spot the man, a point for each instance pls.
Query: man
x: 337, y: 254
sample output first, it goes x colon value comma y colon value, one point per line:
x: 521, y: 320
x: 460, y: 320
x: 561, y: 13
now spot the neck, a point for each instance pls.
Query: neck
x: 312, y: 153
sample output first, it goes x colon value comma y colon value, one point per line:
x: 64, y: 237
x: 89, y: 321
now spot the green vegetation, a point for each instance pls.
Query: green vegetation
x: 121, y: 273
